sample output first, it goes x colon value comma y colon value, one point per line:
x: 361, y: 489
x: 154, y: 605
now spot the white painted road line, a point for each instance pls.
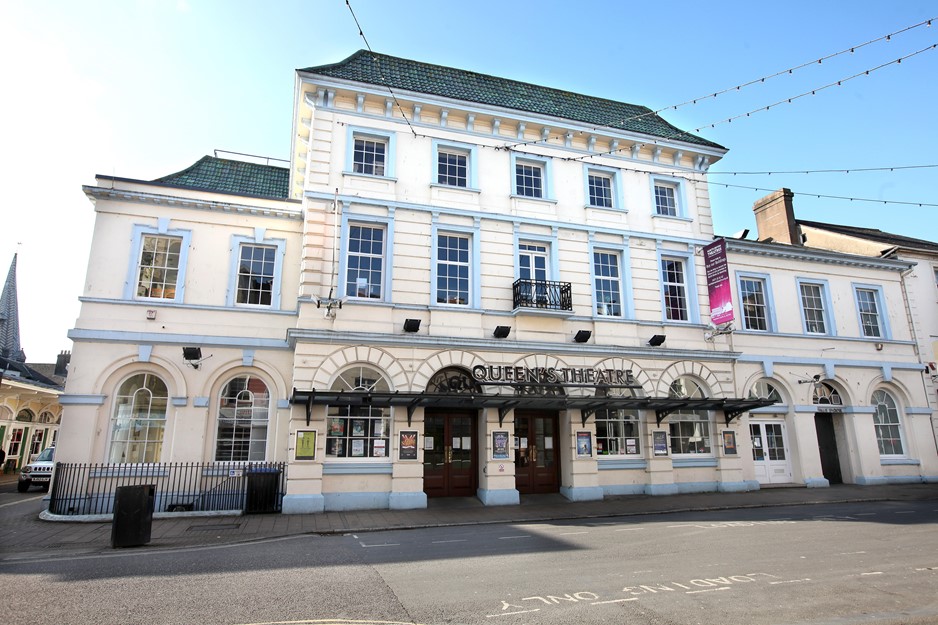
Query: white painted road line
x: 694, y: 592
x: 872, y: 573
x: 791, y: 581
x: 513, y: 537
x: 615, y: 601
x: 13, y: 503
x: 382, y: 545
x: 510, y: 613
x: 456, y: 540
x: 630, y: 529
x: 571, y: 533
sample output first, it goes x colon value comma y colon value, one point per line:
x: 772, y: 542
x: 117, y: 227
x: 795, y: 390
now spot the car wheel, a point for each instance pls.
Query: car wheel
x: 22, y: 487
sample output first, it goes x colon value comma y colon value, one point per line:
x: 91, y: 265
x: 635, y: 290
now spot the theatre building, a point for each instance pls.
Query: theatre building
x: 463, y: 286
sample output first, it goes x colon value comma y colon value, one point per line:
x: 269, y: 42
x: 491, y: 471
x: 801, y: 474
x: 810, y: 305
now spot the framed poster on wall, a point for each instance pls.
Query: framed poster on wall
x: 584, y: 445
x: 729, y: 442
x: 660, y: 442
x: 500, y: 445
x: 305, y: 445
x: 407, y: 449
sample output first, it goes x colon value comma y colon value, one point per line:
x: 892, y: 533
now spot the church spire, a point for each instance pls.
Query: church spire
x: 10, y: 318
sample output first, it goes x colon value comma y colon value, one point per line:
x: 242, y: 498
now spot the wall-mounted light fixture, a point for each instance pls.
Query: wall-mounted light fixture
x: 192, y: 356
x: 411, y: 325
x: 657, y: 340
x: 582, y: 336
x: 501, y: 332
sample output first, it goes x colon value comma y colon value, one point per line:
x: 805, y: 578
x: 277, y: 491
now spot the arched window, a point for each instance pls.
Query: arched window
x: 243, y: 413
x: 46, y: 417
x: 826, y: 395
x: 360, y: 431
x: 690, y: 429
x: 888, y: 428
x: 139, y: 419
x: 763, y: 389
x: 25, y: 415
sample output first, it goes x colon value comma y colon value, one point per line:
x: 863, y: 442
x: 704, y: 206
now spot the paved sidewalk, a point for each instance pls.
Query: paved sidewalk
x: 26, y: 536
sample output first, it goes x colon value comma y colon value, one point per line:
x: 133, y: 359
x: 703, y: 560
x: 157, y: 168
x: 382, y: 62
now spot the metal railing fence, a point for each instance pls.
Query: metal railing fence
x: 81, y: 489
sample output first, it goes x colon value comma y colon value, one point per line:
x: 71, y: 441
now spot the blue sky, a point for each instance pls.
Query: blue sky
x: 142, y: 88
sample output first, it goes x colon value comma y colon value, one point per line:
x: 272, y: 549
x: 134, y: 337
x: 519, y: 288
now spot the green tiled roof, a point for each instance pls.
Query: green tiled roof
x: 238, y: 177
x: 397, y: 73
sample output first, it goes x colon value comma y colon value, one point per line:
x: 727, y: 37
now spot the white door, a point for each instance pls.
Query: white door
x: 770, y: 455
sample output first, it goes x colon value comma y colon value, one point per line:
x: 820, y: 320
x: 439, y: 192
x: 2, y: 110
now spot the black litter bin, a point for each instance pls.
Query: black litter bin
x: 133, y: 515
x: 263, y: 491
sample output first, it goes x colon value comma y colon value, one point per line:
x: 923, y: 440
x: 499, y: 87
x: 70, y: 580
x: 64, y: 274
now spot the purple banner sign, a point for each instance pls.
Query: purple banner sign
x: 718, y: 283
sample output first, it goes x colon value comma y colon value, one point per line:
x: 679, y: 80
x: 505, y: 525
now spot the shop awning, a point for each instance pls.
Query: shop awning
x: 506, y: 402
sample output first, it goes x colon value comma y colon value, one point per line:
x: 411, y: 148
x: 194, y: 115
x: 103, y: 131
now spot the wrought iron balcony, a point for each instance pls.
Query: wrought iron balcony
x: 542, y: 295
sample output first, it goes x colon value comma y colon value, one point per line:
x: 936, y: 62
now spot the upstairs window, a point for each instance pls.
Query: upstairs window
x: 608, y: 284
x: 452, y: 269
x: 666, y: 199
x: 600, y: 189
x: 674, y: 289
x: 868, y: 307
x: 812, y: 307
x: 370, y: 156
x: 755, y: 311
x: 452, y: 167
x: 365, y: 274
x: 158, y: 267
x: 256, y: 274
x: 529, y: 179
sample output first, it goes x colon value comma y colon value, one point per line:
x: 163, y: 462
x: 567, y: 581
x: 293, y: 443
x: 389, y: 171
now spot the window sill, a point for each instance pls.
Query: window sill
x: 673, y: 217
x: 683, y: 462
x: 528, y: 198
x: 368, y: 176
x: 613, y: 209
x: 898, y: 461
x: 449, y: 187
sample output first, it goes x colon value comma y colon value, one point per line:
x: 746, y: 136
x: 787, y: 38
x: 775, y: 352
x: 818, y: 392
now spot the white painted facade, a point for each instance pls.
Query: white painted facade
x: 360, y: 253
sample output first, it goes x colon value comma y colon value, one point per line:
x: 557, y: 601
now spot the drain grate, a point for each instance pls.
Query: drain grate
x: 214, y: 528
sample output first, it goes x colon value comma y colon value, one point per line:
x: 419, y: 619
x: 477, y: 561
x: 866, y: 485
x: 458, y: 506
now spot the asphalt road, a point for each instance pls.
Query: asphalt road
x: 842, y: 563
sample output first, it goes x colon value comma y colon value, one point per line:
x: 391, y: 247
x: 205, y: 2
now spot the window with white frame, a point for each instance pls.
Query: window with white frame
x: 158, y: 266
x: 666, y: 199
x: 689, y: 429
x: 256, y: 270
x: 600, y: 187
x: 529, y: 178
x: 16, y: 440
x: 886, y: 420
x: 608, y: 283
x: 35, y: 446
x: 243, y: 414
x: 674, y: 289
x: 452, y: 167
x: 871, y: 324
x: 812, y: 307
x: 139, y: 419
x: 369, y: 155
x: 453, y: 267
x: 365, y: 258
x: 754, y: 308
x: 360, y: 431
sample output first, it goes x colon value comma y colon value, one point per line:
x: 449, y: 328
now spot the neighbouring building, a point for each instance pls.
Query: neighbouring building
x: 465, y: 285
x: 29, y: 393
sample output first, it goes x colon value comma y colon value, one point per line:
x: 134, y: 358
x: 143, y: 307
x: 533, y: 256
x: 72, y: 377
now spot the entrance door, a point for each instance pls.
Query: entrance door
x: 449, y: 456
x: 770, y: 452
x: 827, y: 446
x: 537, y: 455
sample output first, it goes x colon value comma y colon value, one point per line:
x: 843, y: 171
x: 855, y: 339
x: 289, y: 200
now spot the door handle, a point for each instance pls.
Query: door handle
x: 533, y: 454
x: 448, y: 455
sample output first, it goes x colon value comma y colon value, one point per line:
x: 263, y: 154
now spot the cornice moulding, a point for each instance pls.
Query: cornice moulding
x: 157, y: 199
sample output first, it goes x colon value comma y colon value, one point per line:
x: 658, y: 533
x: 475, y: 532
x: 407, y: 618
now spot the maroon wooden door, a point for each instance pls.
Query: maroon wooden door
x: 449, y: 456
x: 537, y: 454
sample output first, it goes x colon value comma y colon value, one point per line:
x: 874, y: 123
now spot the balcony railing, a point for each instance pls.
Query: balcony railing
x: 542, y: 295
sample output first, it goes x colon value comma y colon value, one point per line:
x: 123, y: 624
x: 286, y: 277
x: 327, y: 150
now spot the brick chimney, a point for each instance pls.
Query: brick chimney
x: 61, y: 363
x: 775, y: 218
